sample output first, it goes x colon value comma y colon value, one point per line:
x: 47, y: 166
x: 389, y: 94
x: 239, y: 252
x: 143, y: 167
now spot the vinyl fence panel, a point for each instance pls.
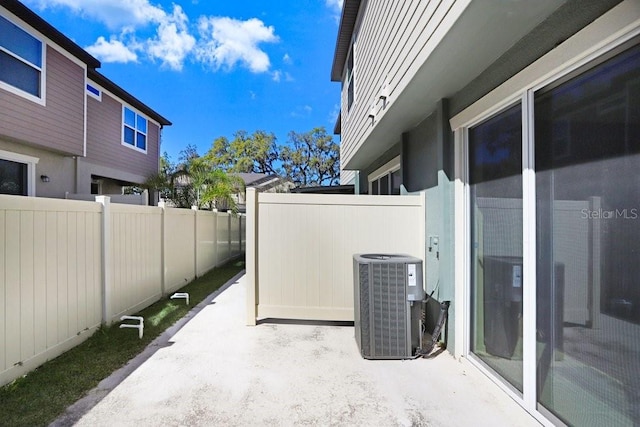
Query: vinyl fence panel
x: 304, y: 247
x: 179, y: 247
x: 136, y: 257
x: 67, y: 266
x: 206, y: 240
x: 224, y: 250
x: 50, y: 287
x: 234, y: 235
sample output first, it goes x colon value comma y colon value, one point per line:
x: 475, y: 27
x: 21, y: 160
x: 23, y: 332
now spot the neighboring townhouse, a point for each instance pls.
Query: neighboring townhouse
x: 520, y: 120
x: 64, y: 127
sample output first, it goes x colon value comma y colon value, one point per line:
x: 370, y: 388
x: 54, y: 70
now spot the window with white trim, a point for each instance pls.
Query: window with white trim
x: 94, y: 92
x: 350, y: 79
x: 386, y: 179
x: 134, y: 129
x: 17, y: 174
x: 21, y: 61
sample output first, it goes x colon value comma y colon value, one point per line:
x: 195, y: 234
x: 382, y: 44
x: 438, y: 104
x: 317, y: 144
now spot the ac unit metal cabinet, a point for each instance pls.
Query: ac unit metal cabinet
x: 388, y: 292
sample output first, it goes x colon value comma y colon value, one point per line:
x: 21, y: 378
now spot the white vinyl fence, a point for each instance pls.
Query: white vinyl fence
x: 67, y: 266
x: 300, y: 249
x: 129, y: 199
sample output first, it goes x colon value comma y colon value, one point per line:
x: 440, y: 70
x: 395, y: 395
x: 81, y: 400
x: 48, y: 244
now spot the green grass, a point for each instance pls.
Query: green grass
x: 42, y: 395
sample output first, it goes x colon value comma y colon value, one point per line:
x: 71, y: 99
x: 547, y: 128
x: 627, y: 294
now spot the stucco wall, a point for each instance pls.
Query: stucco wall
x: 60, y: 169
x: 565, y: 22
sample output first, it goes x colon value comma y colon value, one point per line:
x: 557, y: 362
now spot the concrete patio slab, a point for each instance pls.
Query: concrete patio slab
x: 220, y: 372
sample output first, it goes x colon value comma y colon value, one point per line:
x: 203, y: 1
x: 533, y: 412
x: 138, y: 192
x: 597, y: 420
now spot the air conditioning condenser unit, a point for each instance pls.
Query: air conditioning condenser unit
x: 388, y: 305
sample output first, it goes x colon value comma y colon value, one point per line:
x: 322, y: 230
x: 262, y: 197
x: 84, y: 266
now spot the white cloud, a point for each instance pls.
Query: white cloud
x: 286, y: 59
x: 334, y: 4
x: 333, y: 114
x: 173, y: 42
x: 170, y: 45
x: 111, y: 51
x: 141, y: 29
x: 114, y: 13
x: 302, y: 111
x: 226, y: 42
x: 278, y: 75
x: 336, y: 7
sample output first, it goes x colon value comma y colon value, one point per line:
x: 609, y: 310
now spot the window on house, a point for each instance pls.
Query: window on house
x: 13, y: 178
x: 386, y: 179
x: 134, y: 132
x: 21, y: 69
x: 350, y: 80
x: 94, y: 92
x: 17, y: 174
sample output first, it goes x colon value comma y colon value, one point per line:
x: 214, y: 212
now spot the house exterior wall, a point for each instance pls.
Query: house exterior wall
x: 383, y: 34
x: 59, y: 124
x: 553, y: 226
x: 104, y: 141
x: 59, y: 168
x: 389, y: 37
x: 433, y: 161
x: 73, y: 136
x: 391, y: 153
x: 565, y: 22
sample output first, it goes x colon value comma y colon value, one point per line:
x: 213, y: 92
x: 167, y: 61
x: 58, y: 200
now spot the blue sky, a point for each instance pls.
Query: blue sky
x: 213, y: 67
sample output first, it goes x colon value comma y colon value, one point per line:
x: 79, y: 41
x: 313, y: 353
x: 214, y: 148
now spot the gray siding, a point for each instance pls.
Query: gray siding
x: 59, y: 125
x: 104, y: 140
x: 390, y: 39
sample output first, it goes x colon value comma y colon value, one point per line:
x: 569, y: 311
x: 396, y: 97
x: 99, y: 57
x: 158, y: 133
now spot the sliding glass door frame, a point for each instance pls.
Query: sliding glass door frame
x: 528, y: 397
x: 534, y: 78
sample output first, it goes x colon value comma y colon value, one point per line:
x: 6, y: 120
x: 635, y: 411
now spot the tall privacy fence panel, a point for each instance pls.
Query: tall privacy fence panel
x: 300, y: 249
x: 68, y: 266
x: 179, y: 247
x: 135, y: 261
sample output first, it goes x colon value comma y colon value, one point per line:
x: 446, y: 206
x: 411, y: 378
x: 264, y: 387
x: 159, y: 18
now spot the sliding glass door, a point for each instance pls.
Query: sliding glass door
x: 582, y: 183
x: 495, y: 178
x: 587, y: 156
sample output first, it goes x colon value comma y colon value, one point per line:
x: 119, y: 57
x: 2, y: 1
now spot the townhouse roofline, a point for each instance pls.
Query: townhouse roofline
x: 126, y: 96
x: 42, y: 26
x: 31, y: 18
x: 343, y: 43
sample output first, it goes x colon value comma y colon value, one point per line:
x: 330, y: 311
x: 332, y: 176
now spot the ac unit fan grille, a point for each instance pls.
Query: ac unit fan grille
x: 384, y: 311
x: 389, y: 315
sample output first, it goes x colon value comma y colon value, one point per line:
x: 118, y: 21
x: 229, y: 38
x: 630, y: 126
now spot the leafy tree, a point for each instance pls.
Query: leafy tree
x: 307, y: 159
x: 311, y: 158
x: 187, y: 154
x: 195, y: 182
x: 246, y: 152
x: 220, y: 188
x: 162, y: 181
